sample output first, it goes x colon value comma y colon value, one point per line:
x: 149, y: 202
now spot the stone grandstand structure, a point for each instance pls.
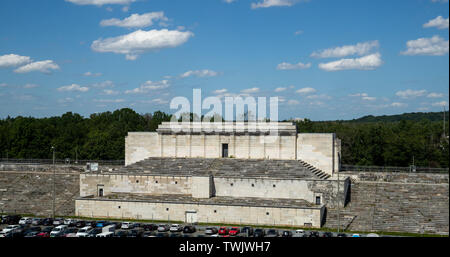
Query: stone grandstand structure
x: 228, y: 173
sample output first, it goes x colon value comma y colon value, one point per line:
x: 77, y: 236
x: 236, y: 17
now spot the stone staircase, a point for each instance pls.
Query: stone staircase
x: 226, y: 167
x: 319, y: 173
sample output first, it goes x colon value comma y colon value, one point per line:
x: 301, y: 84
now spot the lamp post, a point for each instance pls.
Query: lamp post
x: 53, y: 182
x: 338, y: 203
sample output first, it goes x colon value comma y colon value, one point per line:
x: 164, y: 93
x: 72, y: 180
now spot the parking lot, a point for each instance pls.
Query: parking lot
x: 16, y: 226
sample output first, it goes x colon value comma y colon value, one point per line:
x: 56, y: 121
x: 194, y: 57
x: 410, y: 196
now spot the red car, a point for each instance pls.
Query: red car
x: 223, y: 231
x: 43, y: 234
x: 234, y: 231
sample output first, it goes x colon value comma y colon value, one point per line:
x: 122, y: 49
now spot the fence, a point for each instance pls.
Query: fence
x: 61, y: 161
x: 411, y: 169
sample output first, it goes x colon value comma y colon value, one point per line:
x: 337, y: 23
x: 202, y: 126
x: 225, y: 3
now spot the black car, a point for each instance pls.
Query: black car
x: 259, y: 233
x: 33, y: 229
x: 135, y: 233
x: 247, y: 231
x: 80, y: 224
x: 189, y: 229
x: 286, y: 233
x: 150, y: 227
x: 31, y: 234
x: 91, y: 224
x: 121, y: 233
x: 47, y: 222
x: 313, y: 234
x: 341, y: 235
x: 272, y: 233
x: 327, y: 234
x: 148, y: 234
x: 94, y: 232
x: 47, y: 229
x: 117, y: 225
x: 11, y: 219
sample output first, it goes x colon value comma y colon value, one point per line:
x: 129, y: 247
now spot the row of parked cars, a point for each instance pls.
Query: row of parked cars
x: 58, y: 227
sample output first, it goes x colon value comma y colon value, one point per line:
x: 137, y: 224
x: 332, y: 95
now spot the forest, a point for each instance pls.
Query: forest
x: 371, y: 140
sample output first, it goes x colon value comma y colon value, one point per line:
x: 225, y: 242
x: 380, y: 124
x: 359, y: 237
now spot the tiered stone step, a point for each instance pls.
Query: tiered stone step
x: 225, y: 167
x: 315, y: 171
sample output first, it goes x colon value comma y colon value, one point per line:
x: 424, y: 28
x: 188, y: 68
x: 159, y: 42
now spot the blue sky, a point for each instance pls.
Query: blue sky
x: 325, y: 60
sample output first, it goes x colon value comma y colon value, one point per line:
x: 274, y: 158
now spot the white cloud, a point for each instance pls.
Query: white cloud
x: 397, y: 104
x: 306, y: 90
x: 43, y: 66
x: 364, y: 96
x: 435, y: 95
x: 12, y: 60
x: 440, y: 104
x: 289, y: 66
x: 298, y: 32
x: 135, y: 20
x: 101, y: 2
x: 148, y: 86
x: 156, y: 101
x: 439, y: 1
x: 91, y: 74
x: 103, y: 84
x: 368, y: 62
x: 409, y: 93
x: 272, y: 3
x: 280, y: 89
x: 65, y: 100
x: 359, y: 94
x: 250, y: 90
x: 109, y: 100
x: 321, y: 96
x: 438, y: 22
x: 229, y: 1
x: 199, y: 73
x: 358, y: 49
x: 427, y: 46
x: 220, y: 91
x: 369, y: 98
x: 30, y: 86
x: 140, y: 41
x: 110, y: 92
x: 293, y: 102
x: 73, y: 87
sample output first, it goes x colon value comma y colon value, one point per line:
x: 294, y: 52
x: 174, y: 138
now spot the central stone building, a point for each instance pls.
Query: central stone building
x: 231, y: 173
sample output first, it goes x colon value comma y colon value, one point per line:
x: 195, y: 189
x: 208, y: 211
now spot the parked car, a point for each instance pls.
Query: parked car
x: 356, y: 235
x: 148, y: 234
x: 34, y: 228
x: 248, y: 231
x: 150, y: 227
x: 80, y: 224
x: 372, y: 235
x: 45, y: 232
x: 47, y: 229
x: 223, y: 231
x: 341, y: 235
x: 10, y: 228
x: 272, y: 233
x: 70, y: 232
x: 102, y: 223
x: 118, y: 225
x: 327, y: 234
x: 163, y: 228
x: 259, y: 232
x: 25, y: 220
x: 47, y: 222
x: 127, y: 225
x: 90, y: 223
x: 94, y: 232
x: 11, y: 219
x: 58, y: 221
x: 176, y: 228
x: 70, y: 222
x: 105, y: 234
x: 189, y: 229
x: 58, y: 231
x: 121, y: 233
x: 32, y: 234
x: 211, y: 230
x: 313, y: 234
x: 137, y: 232
x: 299, y: 233
x: 4, y: 234
x: 36, y: 221
x: 83, y: 232
x: 234, y: 231
x: 286, y: 233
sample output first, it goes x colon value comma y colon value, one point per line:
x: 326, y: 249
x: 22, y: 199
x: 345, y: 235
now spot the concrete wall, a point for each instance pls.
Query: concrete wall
x: 205, y: 213
x: 141, y: 145
x: 319, y: 150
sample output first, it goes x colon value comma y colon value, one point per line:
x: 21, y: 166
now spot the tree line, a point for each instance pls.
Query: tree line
x: 101, y: 136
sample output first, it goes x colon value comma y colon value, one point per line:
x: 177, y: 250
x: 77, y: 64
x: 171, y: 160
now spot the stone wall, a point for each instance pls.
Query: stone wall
x: 402, y: 202
x: 204, y: 213
x: 319, y: 150
x: 32, y: 192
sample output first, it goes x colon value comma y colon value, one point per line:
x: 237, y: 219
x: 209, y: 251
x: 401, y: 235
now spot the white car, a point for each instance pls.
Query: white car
x: 83, y: 232
x: 127, y: 225
x: 25, y: 220
x: 58, y: 231
x: 69, y: 222
x: 298, y: 233
x: 105, y: 234
x: 372, y: 235
x: 4, y: 234
x: 10, y: 228
x: 176, y: 228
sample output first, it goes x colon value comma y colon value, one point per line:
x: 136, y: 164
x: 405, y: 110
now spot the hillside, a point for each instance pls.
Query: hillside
x: 413, y: 116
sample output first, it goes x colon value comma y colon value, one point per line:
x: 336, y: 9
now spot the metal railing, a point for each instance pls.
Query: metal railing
x: 411, y: 169
x: 60, y: 161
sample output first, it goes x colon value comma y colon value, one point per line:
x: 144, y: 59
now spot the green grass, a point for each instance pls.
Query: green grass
x: 386, y: 233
